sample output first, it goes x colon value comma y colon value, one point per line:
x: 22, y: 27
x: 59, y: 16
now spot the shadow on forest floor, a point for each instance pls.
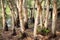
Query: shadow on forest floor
x: 28, y: 35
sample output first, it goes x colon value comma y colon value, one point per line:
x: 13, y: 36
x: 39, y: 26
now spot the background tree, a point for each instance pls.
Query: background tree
x: 41, y: 16
x: 12, y: 13
x: 12, y: 16
x: 25, y: 13
x: 16, y: 8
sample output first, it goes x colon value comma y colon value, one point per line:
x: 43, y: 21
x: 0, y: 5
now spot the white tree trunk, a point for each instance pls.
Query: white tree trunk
x: 41, y: 20
x: 41, y: 16
x: 37, y: 3
x: 21, y: 16
x: 47, y: 13
x: 3, y: 14
x: 54, y: 17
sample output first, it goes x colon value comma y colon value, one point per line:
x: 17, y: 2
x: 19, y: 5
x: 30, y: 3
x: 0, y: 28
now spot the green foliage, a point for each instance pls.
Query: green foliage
x: 43, y: 31
x: 7, y: 12
x: 7, y: 9
x: 46, y: 31
x: 29, y: 3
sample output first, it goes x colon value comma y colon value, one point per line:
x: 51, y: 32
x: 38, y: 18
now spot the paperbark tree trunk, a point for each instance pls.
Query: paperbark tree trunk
x: 5, y: 26
x: 12, y: 13
x: 47, y: 13
x: 54, y: 17
x: 21, y: 16
x: 38, y: 5
x: 16, y: 7
x: 12, y: 16
x: 25, y: 13
x: 41, y: 17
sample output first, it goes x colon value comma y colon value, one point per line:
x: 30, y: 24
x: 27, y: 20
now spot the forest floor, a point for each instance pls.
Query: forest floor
x: 7, y: 35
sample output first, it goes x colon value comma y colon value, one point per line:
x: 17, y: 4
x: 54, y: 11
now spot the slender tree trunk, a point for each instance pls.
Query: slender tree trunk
x: 38, y: 13
x: 47, y: 13
x: 43, y: 13
x: 17, y: 3
x: 33, y: 19
x: 41, y: 17
x: 12, y: 16
x: 12, y: 13
x: 54, y: 17
x: 16, y: 7
x: 3, y: 14
x: 25, y: 10
x: 21, y: 16
x: 5, y: 27
x: 25, y: 13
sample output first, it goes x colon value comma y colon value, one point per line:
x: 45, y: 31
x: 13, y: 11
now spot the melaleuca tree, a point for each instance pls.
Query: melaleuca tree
x: 39, y: 12
x: 54, y: 17
x: 12, y: 16
x: 25, y: 13
x: 47, y: 13
x: 5, y: 26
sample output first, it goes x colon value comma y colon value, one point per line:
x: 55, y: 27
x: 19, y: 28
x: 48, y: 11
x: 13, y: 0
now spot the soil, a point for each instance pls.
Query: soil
x: 28, y: 34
